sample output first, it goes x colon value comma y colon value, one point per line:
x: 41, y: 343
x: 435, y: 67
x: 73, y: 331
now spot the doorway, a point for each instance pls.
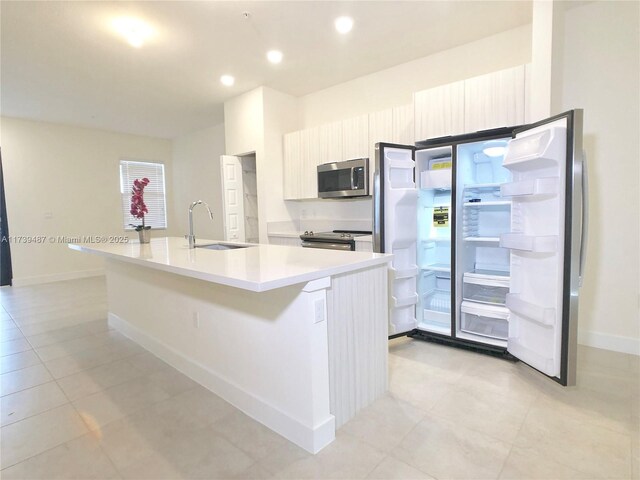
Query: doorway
x: 6, y: 272
x: 240, y: 198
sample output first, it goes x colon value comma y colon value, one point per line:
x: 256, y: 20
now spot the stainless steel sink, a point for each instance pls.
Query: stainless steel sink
x: 222, y: 246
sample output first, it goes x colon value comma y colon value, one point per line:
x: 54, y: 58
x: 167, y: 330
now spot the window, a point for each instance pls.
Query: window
x: 154, y: 194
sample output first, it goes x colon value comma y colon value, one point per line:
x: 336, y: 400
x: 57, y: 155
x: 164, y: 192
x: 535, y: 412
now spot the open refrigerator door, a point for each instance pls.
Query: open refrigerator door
x: 394, y: 230
x: 545, y: 241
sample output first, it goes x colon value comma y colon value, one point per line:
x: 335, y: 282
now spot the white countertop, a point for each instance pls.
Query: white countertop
x: 258, y: 268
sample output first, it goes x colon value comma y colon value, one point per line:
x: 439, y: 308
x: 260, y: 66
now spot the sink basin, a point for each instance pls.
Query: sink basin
x: 221, y: 246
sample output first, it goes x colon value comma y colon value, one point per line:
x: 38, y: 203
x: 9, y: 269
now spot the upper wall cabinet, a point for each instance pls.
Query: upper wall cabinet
x: 439, y: 111
x: 292, y: 165
x: 330, y: 138
x: 403, y: 125
x: 495, y: 100
x: 355, y: 137
x: 393, y: 125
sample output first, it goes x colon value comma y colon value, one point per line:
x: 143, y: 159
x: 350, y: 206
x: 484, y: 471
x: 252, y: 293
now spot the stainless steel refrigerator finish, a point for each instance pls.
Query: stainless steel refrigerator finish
x: 573, y: 244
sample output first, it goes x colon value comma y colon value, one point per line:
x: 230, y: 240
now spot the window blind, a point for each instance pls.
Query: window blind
x: 154, y: 193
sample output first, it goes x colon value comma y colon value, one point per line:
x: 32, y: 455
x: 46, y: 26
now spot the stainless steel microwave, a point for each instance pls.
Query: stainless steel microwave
x: 344, y: 179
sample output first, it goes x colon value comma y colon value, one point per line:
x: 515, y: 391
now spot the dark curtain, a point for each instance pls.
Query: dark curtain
x: 6, y: 273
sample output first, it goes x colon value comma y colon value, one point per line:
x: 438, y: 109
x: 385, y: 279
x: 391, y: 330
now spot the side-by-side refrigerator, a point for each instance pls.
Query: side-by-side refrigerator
x: 488, y: 232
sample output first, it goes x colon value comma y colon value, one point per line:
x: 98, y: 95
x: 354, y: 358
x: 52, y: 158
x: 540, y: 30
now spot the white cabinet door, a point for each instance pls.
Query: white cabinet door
x: 439, y: 111
x: 292, y: 165
x: 380, y: 130
x: 309, y: 158
x: 233, y: 198
x: 402, y: 131
x: 330, y: 139
x: 495, y: 100
x: 355, y: 137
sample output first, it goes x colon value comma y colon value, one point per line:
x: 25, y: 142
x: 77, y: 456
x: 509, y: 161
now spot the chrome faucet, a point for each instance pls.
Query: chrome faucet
x: 191, y: 237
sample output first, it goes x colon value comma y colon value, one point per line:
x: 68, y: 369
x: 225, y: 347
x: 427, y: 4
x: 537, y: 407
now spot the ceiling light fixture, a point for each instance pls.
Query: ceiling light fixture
x: 227, y: 80
x: 344, y: 24
x: 135, y: 31
x: 274, y: 56
x: 494, y: 148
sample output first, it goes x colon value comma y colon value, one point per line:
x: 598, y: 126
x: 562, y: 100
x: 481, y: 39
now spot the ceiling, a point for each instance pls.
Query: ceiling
x: 60, y: 61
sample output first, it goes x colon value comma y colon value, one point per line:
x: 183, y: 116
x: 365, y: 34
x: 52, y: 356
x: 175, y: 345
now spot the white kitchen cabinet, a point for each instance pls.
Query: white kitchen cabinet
x: 402, y: 129
x: 439, y: 111
x: 364, y: 246
x: 393, y: 125
x: 380, y: 130
x: 310, y: 156
x: 495, y: 100
x: 330, y: 142
x: 292, y: 163
x: 355, y: 137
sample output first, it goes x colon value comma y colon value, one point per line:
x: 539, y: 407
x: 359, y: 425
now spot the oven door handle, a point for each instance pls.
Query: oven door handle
x: 327, y: 246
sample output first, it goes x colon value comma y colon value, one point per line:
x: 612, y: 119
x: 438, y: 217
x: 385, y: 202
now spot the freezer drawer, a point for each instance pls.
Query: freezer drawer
x: 484, y: 320
x: 493, y: 292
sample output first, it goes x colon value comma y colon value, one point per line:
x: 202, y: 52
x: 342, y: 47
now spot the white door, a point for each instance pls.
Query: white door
x: 232, y: 198
x: 545, y: 242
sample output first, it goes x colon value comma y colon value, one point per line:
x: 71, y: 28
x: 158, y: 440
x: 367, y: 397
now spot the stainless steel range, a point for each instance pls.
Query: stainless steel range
x: 336, y: 240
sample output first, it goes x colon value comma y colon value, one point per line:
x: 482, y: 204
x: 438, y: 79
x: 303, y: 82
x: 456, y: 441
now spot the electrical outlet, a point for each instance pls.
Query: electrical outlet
x: 196, y: 319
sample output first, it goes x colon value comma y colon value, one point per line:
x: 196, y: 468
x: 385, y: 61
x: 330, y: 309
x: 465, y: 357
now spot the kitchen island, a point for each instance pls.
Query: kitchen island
x: 295, y: 338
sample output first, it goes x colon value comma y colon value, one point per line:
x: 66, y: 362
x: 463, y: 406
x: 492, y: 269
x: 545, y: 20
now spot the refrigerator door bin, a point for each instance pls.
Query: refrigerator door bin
x: 403, y: 273
x: 402, y: 319
x: 537, y: 150
x: 542, y: 315
x: 436, y: 179
x: 406, y: 301
x: 530, y: 187
x: 485, y: 321
x: 404, y: 287
x: 492, y: 292
x: 529, y: 243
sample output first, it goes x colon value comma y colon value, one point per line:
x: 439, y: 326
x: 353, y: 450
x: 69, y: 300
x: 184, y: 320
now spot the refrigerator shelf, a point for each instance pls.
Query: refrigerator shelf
x: 482, y: 186
x: 529, y: 243
x: 404, y: 272
x: 530, y: 187
x: 488, y: 274
x: 482, y: 239
x: 487, y: 204
x: 545, y: 316
x: 438, y: 267
x: 437, y: 239
x: 405, y: 302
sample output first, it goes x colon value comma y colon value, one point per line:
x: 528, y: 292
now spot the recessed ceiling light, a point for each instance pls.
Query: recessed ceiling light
x: 274, y: 56
x: 135, y: 31
x: 344, y: 24
x: 227, y: 80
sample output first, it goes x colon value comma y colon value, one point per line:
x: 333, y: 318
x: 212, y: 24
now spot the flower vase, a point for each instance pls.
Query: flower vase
x: 144, y: 235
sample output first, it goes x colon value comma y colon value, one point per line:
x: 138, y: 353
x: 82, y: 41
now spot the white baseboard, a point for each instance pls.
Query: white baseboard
x: 312, y: 439
x: 606, y: 341
x: 56, y: 277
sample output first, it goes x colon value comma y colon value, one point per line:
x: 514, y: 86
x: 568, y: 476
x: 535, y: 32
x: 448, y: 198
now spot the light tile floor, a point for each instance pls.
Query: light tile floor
x: 82, y: 401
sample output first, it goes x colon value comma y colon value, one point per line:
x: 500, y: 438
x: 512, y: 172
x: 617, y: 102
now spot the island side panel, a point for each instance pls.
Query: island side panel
x: 262, y: 352
x: 357, y: 304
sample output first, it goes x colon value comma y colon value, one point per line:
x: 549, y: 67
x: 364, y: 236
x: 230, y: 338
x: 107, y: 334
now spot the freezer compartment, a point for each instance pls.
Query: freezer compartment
x: 484, y: 320
x: 489, y: 291
x: 435, y: 302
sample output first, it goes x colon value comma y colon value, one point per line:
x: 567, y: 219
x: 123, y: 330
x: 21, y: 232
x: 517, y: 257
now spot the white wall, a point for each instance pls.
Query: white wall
x: 196, y: 176
x: 72, y: 173
x: 601, y: 72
